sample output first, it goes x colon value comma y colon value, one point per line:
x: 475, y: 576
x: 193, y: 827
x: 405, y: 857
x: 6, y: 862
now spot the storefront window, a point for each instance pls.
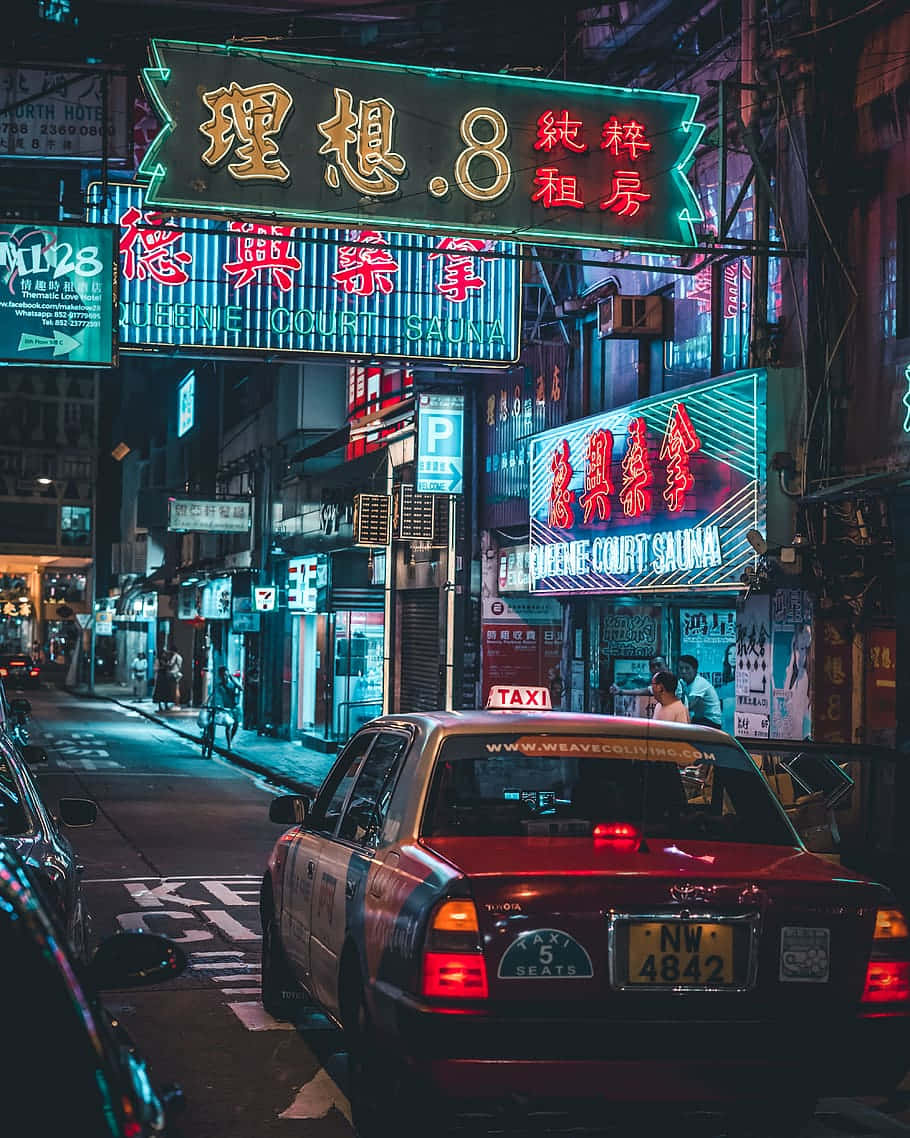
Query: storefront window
x: 60, y: 587
x: 75, y: 525
x: 358, y: 670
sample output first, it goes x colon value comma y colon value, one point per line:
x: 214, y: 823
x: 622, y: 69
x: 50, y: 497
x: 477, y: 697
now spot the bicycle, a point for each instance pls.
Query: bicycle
x: 210, y: 714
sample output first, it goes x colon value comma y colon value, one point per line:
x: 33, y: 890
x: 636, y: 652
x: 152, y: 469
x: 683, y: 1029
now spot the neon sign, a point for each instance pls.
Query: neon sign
x: 186, y: 404
x: 668, y: 489
x: 349, y: 143
x: 199, y: 284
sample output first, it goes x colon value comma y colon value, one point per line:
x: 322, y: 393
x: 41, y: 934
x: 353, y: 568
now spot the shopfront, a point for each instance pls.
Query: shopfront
x: 645, y: 514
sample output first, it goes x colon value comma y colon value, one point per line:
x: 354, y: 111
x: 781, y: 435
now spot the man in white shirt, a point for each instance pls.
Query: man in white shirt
x: 701, y: 698
x: 669, y: 708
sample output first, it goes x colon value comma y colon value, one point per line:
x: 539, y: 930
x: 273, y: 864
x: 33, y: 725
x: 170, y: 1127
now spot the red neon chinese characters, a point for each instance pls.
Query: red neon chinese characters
x: 598, y: 485
x: 559, y: 130
x: 627, y: 194
x: 267, y: 249
x: 364, y: 269
x: 635, y: 494
x: 679, y: 442
x: 555, y: 189
x: 561, y: 514
x: 459, y: 276
x: 149, y: 252
x: 628, y: 137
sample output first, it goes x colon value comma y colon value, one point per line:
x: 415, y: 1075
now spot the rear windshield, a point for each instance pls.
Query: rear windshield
x: 564, y: 786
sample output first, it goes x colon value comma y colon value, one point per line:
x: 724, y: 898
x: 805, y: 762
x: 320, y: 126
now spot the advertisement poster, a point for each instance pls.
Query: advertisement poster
x: 631, y: 676
x: 522, y: 643
x: 710, y: 636
x: 791, y: 637
x: 57, y: 295
x: 753, y: 669
x: 833, y: 681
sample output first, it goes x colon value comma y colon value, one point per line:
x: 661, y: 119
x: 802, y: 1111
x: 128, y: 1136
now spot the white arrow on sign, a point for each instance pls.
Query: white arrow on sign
x: 60, y: 342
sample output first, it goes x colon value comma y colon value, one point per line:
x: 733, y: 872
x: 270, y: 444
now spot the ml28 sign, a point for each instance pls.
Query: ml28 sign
x: 654, y: 497
x: 343, y: 142
x: 201, y: 284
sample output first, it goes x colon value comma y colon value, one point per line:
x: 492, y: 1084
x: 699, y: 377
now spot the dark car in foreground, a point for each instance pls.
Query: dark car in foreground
x: 20, y: 671
x: 567, y: 913
x: 67, y: 1067
x: 29, y: 827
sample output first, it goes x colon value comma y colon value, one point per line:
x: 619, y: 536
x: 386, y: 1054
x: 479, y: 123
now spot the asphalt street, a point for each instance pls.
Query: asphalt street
x: 180, y: 847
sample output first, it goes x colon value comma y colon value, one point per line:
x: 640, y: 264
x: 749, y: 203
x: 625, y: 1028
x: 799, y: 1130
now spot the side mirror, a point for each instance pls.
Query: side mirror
x: 21, y: 708
x: 130, y: 960
x: 77, y: 811
x: 289, y: 810
x: 32, y: 753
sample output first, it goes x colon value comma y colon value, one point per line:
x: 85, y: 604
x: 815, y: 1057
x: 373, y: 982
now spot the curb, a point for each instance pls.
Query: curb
x: 296, y: 785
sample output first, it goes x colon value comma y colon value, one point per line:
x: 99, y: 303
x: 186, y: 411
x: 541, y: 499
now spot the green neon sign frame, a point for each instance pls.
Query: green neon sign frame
x: 431, y: 109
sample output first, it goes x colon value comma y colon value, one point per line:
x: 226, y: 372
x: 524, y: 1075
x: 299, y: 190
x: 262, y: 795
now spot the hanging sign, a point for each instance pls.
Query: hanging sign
x: 342, y: 142
x: 265, y: 599
x: 57, y: 295
x: 192, y: 515
x: 217, y: 285
x: 440, y: 444
x: 372, y: 519
x: 654, y: 497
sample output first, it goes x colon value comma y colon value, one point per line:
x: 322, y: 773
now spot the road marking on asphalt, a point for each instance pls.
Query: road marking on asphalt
x: 254, y: 1017
x: 174, y: 877
x: 872, y: 1120
x: 317, y: 1097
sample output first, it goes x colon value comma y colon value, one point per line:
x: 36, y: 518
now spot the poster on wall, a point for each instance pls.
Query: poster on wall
x: 522, y: 643
x: 833, y: 681
x: 881, y: 685
x: 753, y: 669
x: 791, y: 637
x: 710, y: 636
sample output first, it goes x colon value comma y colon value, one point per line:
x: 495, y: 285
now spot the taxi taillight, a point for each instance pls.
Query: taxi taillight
x: 888, y: 971
x: 453, y: 965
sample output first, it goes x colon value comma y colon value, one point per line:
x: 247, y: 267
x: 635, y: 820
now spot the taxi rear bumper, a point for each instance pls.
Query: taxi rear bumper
x: 482, y: 1053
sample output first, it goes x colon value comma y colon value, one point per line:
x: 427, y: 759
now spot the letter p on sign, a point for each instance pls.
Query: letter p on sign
x: 439, y: 427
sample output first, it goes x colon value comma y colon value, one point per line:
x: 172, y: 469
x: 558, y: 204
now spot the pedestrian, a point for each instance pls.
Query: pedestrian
x: 226, y: 698
x: 139, y: 675
x: 670, y: 708
x: 175, y: 668
x: 656, y: 664
x: 163, y: 691
x: 701, y: 698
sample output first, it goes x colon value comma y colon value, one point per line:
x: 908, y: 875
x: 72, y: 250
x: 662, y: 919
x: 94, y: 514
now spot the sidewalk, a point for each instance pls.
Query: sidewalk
x: 289, y: 764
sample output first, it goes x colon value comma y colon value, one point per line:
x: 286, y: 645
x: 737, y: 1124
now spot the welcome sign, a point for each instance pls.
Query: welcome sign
x: 206, y: 285
x: 657, y: 496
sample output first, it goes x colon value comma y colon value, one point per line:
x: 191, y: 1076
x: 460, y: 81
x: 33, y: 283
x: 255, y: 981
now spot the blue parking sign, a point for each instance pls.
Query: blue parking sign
x: 440, y: 444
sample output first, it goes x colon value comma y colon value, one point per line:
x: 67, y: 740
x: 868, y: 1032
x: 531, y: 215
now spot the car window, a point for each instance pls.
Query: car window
x: 14, y: 817
x: 331, y: 798
x: 547, y: 785
x: 42, y: 1013
x: 372, y: 792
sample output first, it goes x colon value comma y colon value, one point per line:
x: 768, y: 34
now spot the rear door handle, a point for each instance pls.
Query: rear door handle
x: 350, y: 889
x: 310, y: 868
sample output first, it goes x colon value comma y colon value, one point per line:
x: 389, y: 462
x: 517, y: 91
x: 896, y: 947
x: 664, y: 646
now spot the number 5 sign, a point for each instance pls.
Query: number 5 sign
x: 440, y: 442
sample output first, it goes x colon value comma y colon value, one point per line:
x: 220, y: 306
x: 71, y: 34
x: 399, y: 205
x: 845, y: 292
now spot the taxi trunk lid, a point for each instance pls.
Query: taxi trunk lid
x: 555, y: 915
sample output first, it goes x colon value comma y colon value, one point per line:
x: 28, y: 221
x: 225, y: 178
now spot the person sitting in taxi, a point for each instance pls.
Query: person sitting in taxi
x: 670, y: 708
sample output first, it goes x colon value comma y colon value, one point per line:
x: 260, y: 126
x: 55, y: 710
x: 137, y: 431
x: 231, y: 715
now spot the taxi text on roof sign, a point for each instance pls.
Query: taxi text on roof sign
x: 518, y: 698
x: 339, y: 141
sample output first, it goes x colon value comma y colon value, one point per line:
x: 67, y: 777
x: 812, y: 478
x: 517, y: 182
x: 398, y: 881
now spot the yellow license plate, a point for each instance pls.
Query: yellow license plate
x: 679, y: 954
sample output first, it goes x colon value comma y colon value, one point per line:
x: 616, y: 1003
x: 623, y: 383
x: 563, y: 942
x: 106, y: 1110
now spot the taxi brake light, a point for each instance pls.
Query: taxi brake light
x: 456, y: 917
x: 449, y: 975
x: 887, y: 982
x: 4, y: 671
x: 616, y: 830
x: 34, y: 671
x: 890, y: 924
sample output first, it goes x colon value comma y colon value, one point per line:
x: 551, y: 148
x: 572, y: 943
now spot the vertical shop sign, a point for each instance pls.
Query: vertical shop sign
x: 440, y: 444
x: 710, y: 636
x: 833, y: 682
x: 791, y: 637
x: 753, y: 669
x: 881, y: 684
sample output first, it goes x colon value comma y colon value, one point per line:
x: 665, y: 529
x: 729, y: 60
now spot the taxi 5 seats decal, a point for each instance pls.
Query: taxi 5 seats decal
x: 545, y: 954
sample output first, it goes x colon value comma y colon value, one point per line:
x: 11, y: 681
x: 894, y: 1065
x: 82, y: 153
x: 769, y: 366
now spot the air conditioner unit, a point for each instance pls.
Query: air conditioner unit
x: 630, y: 316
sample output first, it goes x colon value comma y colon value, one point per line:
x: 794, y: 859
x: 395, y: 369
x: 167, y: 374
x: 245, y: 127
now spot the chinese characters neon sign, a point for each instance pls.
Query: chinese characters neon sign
x: 668, y: 489
x: 199, y: 284
x: 347, y: 143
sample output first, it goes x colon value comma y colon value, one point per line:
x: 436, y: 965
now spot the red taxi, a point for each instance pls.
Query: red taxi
x: 565, y: 912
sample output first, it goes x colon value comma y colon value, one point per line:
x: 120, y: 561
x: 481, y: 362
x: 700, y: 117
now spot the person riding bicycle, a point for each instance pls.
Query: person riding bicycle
x: 225, y: 699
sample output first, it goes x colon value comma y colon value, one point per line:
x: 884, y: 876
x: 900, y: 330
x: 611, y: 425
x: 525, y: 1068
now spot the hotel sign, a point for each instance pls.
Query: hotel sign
x: 654, y: 497
x: 355, y: 143
x: 205, y: 285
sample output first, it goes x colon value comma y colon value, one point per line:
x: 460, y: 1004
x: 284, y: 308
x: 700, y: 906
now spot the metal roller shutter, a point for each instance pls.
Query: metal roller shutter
x: 419, y: 648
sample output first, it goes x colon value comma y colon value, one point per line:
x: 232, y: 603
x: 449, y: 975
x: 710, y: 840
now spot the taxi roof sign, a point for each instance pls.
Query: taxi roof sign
x: 511, y: 697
